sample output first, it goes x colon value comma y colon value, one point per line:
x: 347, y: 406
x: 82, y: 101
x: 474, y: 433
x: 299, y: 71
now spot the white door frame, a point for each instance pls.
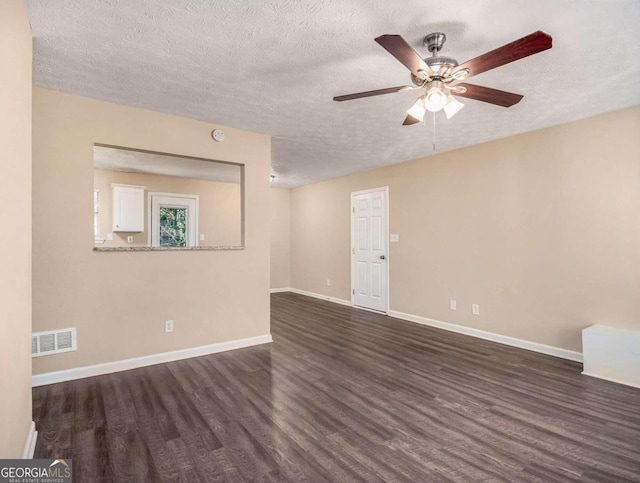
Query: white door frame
x: 353, y: 241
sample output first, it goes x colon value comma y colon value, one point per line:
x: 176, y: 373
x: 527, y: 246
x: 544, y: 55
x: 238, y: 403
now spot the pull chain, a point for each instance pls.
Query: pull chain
x: 424, y: 121
x: 434, y: 131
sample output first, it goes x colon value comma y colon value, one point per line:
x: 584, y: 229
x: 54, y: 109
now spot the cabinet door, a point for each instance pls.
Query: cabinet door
x: 128, y: 208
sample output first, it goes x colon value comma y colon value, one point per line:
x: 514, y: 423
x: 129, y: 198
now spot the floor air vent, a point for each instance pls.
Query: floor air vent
x: 53, y: 342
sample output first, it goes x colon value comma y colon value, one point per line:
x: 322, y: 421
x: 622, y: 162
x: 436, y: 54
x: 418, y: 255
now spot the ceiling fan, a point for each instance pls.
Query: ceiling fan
x: 441, y: 78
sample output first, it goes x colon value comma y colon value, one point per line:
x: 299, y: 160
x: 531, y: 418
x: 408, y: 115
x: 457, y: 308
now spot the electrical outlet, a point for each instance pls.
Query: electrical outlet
x: 130, y: 239
x: 475, y: 309
x: 328, y: 283
x: 453, y: 305
x: 168, y: 325
x: 201, y: 236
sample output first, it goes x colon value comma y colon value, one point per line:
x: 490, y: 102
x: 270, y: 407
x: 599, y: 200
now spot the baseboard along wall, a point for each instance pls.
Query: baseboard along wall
x: 460, y: 329
x: 492, y: 336
x: 125, y: 365
x: 30, y: 444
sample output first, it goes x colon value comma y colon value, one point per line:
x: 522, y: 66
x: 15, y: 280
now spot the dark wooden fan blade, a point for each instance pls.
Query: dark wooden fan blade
x: 379, y: 92
x: 409, y: 120
x: 516, y: 50
x: 401, y: 50
x: 486, y: 94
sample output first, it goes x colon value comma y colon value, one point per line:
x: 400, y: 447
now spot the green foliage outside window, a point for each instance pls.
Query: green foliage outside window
x: 173, y: 227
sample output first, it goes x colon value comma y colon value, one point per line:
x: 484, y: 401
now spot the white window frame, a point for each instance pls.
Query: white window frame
x: 192, y: 218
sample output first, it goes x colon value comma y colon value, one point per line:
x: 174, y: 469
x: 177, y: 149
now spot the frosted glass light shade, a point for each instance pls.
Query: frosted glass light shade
x: 452, y: 107
x: 436, y: 98
x: 418, y: 109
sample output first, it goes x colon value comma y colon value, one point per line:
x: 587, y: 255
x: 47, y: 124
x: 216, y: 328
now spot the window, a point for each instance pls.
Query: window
x: 173, y: 227
x: 173, y: 220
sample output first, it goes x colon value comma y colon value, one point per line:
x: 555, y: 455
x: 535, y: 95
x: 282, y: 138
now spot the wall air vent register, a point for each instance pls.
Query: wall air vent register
x: 53, y: 342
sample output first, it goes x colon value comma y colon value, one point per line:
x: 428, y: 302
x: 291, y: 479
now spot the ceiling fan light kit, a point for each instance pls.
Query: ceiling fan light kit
x: 436, y: 98
x: 415, y: 114
x: 441, y: 77
x: 452, y: 107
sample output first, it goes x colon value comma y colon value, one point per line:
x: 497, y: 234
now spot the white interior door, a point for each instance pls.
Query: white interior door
x: 370, y: 249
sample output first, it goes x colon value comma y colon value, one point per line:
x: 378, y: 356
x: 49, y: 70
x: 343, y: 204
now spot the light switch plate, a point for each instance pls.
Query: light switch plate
x: 453, y: 305
x: 394, y: 238
x: 475, y: 309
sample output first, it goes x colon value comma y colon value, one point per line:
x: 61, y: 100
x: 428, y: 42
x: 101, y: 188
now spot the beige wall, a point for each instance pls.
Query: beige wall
x: 280, y: 237
x: 542, y: 230
x: 220, y: 206
x: 15, y: 217
x: 119, y: 301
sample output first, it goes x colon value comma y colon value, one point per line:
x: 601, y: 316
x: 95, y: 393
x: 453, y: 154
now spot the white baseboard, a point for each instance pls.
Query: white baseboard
x: 280, y: 290
x: 626, y: 383
x: 125, y: 365
x: 321, y: 297
x: 481, y: 334
x: 30, y: 445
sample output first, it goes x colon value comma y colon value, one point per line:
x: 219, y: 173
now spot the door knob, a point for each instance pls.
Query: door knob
x: 382, y: 257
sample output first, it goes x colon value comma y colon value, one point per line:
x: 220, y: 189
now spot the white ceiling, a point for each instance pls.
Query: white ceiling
x: 164, y: 164
x: 274, y: 66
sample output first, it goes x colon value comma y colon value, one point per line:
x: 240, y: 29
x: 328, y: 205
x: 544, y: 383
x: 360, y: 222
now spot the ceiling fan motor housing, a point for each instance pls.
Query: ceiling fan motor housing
x: 441, y: 66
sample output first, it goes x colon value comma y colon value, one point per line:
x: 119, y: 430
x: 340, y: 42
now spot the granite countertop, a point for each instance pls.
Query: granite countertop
x: 165, y: 249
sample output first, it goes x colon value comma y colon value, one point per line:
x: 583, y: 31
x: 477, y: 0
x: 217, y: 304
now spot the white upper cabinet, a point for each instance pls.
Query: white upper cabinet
x: 128, y: 207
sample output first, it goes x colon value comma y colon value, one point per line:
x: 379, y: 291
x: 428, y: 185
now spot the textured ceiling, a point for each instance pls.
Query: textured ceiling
x: 162, y: 164
x: 274, y: 66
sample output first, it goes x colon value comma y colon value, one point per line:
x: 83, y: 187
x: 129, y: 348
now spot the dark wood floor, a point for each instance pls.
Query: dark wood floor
x: 346, y: 395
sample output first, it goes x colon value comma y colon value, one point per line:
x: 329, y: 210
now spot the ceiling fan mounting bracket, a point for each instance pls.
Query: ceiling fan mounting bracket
x: 434, y: 42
